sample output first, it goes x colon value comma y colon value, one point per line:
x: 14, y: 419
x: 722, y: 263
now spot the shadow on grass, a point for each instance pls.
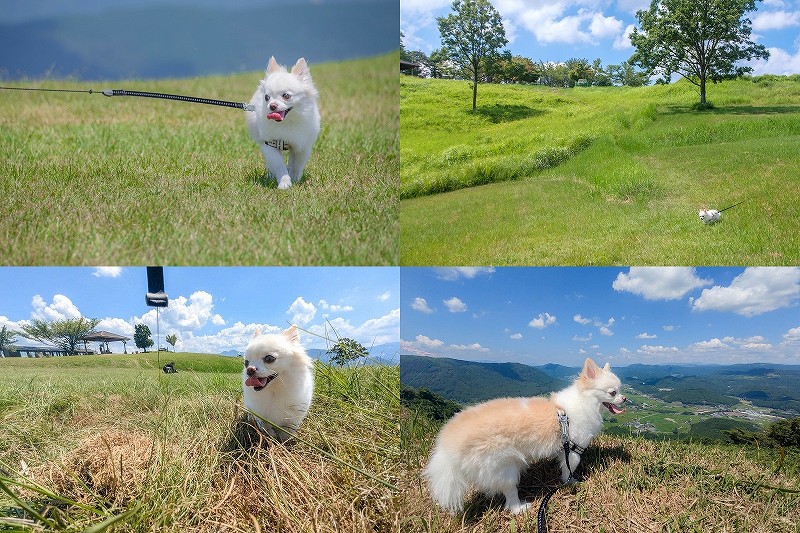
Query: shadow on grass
x: 735, y: 110
x: 540, y: 477
x: 243, y: 437
x: 498, y: 113
x: 264, y: 180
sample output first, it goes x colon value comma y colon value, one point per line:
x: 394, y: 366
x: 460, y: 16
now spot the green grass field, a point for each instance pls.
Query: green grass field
x: 599, y: 176
x: 88, y: 179
x: 88, y: 441
x: 627, y: 484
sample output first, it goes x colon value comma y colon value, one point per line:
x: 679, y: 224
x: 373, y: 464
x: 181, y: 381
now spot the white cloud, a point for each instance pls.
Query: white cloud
x: 780, y: 62
x: 756, y: 291
x: 474, y: 347
x: 602, y: 27
x: 516, y: 336
x: 659, y: 283
x: 793, y: 335
x: 657, y: 350
x: 107, y: 272
x: 668, y: 328
x: 217, y: 320
x: 421, y: 305
x: 623, y: 40
x: 235, y: 337
x: 116, y: 325
x: 428, y: 342
x: 456, y: 273
x: 605, y: 331
x: 454, y: 305
x: 334, y: 307
x: 632, y: 6
x: 542, y: 321
x: 61, y: 308
x: 709, y: 345
x: 302, y: 312
x: 646, y: 335
x: 385, y: 296
x: 581, y: 320
x: 775, y: 20
x: 373, y: 331
x: 582, y: 339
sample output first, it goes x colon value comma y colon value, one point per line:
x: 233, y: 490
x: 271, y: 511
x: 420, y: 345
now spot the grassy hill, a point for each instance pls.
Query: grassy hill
x: 588, y: 176
x: 91, y: 440
x: 627, y: 484
x: 94, y: 180
x: 471, y: 382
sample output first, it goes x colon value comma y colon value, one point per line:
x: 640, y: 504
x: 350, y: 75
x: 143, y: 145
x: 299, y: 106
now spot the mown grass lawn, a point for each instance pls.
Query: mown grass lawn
x: 92, y: 440
x: 88, y: 179
x: 634, y: 167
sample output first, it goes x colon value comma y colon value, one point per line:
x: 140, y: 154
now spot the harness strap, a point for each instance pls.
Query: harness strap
x: 569, y: 446
x: 279, y: 145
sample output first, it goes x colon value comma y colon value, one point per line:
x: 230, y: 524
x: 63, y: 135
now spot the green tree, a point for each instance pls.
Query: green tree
x: 7, y: 339
x: 345, y: 351
x: 141, y: 336
x: 171, y: 339
x: 472, y: 32
x: 65, y: 334
x: 699, y: 39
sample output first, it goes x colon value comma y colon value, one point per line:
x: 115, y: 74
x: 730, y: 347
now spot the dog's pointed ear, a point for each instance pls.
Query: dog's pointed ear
x: 300, y: 69
x: 257, y: 333
x: 607, y: 368
x: 590, y: 370
x: 273, y: 65
x: 292, y: 334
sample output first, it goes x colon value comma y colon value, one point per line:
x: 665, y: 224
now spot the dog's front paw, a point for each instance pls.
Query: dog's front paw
x: 521, y: 508
x: 285, y: 182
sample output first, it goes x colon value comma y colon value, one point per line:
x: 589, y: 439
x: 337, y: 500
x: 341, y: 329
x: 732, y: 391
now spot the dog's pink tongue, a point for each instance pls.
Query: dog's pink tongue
x: 275, y: 116
x: 254, y: 382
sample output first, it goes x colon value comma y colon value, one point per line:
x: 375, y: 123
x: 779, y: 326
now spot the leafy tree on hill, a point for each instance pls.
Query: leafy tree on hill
x: 472, y: 32
x: 784, y: 433
x: 171, y: 339
x: 428, y: 403
x: 7, y: 338
x: 345, y: 351
x: 141, y: 336
x: 699, y: 39
x: 65, y: 334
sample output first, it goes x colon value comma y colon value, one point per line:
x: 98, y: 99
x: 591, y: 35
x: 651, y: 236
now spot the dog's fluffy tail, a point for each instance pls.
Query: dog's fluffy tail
x: 446, y: 480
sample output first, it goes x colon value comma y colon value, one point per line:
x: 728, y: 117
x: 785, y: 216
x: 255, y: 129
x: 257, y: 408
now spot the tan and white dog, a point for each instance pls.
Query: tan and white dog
x: 286, y: 118
x: 489, y: 445
x: 278, y: 382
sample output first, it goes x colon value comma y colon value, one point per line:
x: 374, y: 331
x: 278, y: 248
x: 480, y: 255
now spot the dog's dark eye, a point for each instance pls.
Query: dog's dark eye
x: 246, y: 362
x: 269, y: 358
x: 266, y: 97
x: 613, y: 393
x: 286, y: 96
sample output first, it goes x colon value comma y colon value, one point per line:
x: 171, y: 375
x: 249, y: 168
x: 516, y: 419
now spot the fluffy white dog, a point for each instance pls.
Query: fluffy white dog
x: 286, y: 118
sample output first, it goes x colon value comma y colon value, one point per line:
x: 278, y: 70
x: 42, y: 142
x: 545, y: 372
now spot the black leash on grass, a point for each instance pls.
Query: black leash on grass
x: 569, y: 446
x: 731, y: 206
x: 143, y: 94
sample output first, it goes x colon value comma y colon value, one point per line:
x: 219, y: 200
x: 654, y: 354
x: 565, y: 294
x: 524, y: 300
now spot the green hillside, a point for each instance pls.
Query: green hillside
x: 601, y: 175
x: 94, y: 180
x: 88, y: 441
x: 470, y: 382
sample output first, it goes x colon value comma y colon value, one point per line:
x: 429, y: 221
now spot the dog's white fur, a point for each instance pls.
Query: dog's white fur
x: 286, y: 397
x: 490, y: 444
x: 291, y: 99
x: 709, y: 216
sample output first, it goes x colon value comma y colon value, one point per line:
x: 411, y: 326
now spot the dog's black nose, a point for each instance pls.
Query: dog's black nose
x: 273, y: 107
x: 251, y: 370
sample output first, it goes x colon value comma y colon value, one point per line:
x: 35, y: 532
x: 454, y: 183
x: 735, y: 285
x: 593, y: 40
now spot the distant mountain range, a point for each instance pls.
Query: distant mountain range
x: 469, y: 382
x: 138, y: 40
x: 765, y: 385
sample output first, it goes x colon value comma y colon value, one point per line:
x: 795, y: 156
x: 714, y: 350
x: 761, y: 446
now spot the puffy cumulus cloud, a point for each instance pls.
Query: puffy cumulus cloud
x: 235, y: 337
x: 421, y: 305
x: 756, y: 291
x: 302, y: 311
x: 384, y: 297
x: 581, y: 320
x: 456, y: 273
x: 791, y: 336
x: 659, y: 283
x: 649, y: 350
x: 779, y: 62
x: 455, y: 305
x: 623, y: 40
x: 542, y: 321
x: 713, y: 344
x: 516, y: 336
x: 372, y: 331
x: 183, y: 313
x: 474, y: 347
x: 646, y: 335
x: 61, y: 308
x: 668, y: 327
x: 107, y: 272
x: 334, y: 308
x: 604, y: 27
x: 116, y: 325
x: 775, y: 20
x: 428, y: 342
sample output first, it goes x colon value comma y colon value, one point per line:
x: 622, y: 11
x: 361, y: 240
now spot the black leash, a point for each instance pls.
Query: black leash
x: 731, y: 206
x: 569, y: 446
x: 143, y: 94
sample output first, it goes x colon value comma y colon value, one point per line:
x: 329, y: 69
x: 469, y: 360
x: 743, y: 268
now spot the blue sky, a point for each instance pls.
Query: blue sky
x: 649, y: 315
x: 558, y: 30
x: 212, y: 309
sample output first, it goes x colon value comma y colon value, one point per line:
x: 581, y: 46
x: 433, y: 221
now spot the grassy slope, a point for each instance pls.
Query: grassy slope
x: 631, y: 197
x: 629, y: 484
x: 93, y: 180
x: 181, y: 457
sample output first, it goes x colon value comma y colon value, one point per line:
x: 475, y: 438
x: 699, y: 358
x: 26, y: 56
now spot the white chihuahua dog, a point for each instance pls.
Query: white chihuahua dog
x: 286, y: 118
x: 490, y: 444
x: 278, y: 381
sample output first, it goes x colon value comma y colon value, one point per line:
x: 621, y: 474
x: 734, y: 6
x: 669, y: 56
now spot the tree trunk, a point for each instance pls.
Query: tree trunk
x: 703, y: 91
x: 474, y: 89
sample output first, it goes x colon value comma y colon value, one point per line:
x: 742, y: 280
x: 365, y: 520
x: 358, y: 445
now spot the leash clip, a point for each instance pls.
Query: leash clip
x: 248, y: 107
